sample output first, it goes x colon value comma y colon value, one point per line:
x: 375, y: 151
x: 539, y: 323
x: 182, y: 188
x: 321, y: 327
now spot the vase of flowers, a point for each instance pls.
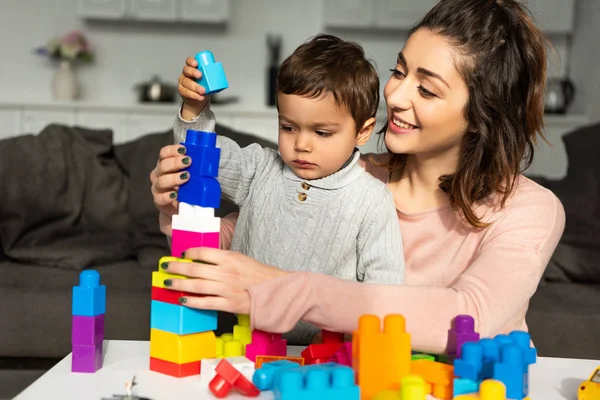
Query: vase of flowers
x: 66, y: 51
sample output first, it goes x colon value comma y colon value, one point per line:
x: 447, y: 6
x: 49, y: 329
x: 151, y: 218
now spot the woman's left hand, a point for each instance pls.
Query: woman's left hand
x: 220, y: 278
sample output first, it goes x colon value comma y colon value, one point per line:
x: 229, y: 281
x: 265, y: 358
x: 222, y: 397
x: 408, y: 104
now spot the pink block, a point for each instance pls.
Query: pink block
x: 343, y: 355
x: 266, y: 344
x: 185, y: 240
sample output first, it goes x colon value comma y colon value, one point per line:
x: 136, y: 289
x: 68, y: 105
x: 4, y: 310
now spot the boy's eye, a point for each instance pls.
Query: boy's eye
x: 286, y: 128
x: 324, y: 134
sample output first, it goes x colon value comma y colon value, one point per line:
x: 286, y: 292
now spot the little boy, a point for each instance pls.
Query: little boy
x: 311, y: 206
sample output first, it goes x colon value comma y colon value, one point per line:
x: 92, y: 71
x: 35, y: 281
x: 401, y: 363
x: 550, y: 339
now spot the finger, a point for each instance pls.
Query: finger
x: 194, y: 270
x: 169, y: 182
x: 173, y: 164
x: 165, y: 199
x: 192, y: 73
x: 208, y: 255
x: 199, y: 286
x: 188, y: 94
x: 192, y: 62
x: 216, y: 303
x: 173, y: 150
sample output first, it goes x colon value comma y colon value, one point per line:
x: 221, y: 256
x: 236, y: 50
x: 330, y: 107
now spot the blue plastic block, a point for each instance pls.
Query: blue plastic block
x: 464, y: 386
x: 181, y: 320
x: 523, y: 340
x: 89, y: 297
x: 510, y: 371
x: 201, y: 191
x: 213, y: 75
x: 201, y: 147
x: 316, y: 382
x: 264, y: 377
x: 469, y: 364
x: 491, y: 355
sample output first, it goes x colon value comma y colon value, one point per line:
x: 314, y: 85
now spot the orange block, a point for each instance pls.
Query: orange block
x: 174, y: 369
x: 260, y: 360
x: 380, y: 358
x: 433, y: 372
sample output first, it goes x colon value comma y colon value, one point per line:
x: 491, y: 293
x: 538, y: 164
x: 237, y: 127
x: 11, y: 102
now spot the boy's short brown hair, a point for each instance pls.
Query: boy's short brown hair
x: 328, y: 64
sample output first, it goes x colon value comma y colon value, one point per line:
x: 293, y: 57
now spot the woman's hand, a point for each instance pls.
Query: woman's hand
x: 166, y: 179
x: 220, y: 278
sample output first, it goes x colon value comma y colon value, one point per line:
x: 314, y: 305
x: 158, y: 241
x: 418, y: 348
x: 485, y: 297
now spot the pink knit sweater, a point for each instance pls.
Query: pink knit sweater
x: 451, y: 269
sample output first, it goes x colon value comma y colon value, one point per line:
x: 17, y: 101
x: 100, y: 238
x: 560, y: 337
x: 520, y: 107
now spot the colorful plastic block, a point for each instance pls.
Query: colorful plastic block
x: 201, y: 147
x: 266, y: 344
x: 213, y: 76
x: 87, y: 330
x: 201, y: 191
x: 331, y: 337
x: 242, y: 332
x: 264, y: 375
x: 194, y: 223
x: 464, y: 386
x: 470, y: 364
x: 185, y: 210
x: 317, y: 382
x: 511, y: 371
x: 159, y: 277
x: 260, y: 360
x: 181, y: 320
x: 488, y: 390
x: 433, y: 372
x: 320, y: 353
x: 462, y: 332
x: 169, y: 296
x: 420, y: 356
x: 182, y: 349
x: 86, y: 358
x: 174, y: 369
x: 412, y: 387
x: 381, y: 358
x: 185, y: 240
x: 343, y: 355
x: 89, y: 297
x: 227, y: 377
x: 242, y: 364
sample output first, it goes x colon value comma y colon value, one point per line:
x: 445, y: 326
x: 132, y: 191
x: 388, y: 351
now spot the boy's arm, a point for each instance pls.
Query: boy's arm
x: 380, y: 250
x: 237, y: 166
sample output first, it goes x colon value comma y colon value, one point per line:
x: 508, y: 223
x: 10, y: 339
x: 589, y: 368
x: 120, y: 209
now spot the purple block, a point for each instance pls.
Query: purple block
x: 463, y: 331
x: 87, y: 330
x: 86, y: 358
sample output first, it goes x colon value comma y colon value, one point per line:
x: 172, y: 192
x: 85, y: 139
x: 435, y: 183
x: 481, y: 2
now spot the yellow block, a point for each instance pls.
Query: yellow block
x: 158, y: 277
x: 226, y: 346
x: 182, y: 349
x: 489, y: 389
x: 242, y: 332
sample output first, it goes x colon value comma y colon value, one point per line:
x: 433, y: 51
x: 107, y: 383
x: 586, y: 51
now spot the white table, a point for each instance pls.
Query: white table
x: 550, y: 378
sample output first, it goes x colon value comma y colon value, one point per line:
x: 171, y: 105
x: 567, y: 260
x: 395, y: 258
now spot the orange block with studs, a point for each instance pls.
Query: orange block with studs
x: 260, y: 360
x: 380, y: 358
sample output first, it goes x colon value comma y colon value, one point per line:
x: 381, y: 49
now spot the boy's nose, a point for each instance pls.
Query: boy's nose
x: 302, y: 143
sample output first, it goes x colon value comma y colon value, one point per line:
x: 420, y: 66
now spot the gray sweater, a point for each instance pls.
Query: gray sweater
x: 344, y: 224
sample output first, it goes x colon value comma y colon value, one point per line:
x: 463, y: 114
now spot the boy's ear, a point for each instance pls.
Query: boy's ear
x: 364, y: 134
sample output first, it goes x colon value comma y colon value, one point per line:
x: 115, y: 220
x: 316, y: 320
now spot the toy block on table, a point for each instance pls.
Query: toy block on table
x: 87, y: 330
x: 169, y: 296
x: 331, y: 337
x: 320, y: 353
x: 266, y: 344
x: 439, y: 376
x: 182, y: 241
x: 194, y: 223
x: 86, y: 358
x: 343, y: 355
x: 464, y: 386
x: 260, y: 360
x: 227, y: 377
x: 241, y: 363
x: 213, y: 76
x: 489, y: 389
x: 180, y: 319
x: 227, y: 347
x: 242, y: 331
x: 317, y: 382
x: 182, y: 349
x: 264, y: 375
x: 89, y: 297
x: 380, y: 357
x: 463, y: 331
x: 510, y: 370
x: 174, y: 369
x: 412, y: 387
x: 420, y: 356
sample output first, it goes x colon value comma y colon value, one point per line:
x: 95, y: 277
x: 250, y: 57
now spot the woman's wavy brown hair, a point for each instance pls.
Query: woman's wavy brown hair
x: 503, y: 61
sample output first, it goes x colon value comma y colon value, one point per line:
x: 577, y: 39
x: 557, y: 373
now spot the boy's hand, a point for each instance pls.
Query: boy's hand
x: 190, y: 91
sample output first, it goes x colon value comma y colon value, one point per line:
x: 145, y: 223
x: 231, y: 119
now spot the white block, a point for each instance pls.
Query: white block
x: 196, y: 224
x: 190, y: 210
x: 207, y: 368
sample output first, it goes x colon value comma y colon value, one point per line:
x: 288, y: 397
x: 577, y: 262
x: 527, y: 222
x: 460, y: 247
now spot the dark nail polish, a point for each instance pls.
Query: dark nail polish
x: 168, y: 282
x: 182, y: 300
x: 181, y: 150
x: 184, y: 176
x: 183, y: 255
x: 164, y: 265
x: 186, y: 160
x: 173, y: 195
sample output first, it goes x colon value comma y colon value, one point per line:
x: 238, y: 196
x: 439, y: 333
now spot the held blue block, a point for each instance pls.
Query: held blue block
x: 89, y: 297
x: 201, y: 191
x: 213, y: 75
x: 264, y: 377
x: 510, y: 371
x: 316, y: 382
x: 181, y: 320
x: 201, y: 147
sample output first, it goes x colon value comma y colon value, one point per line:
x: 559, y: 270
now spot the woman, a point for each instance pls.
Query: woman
x: 465, y: 105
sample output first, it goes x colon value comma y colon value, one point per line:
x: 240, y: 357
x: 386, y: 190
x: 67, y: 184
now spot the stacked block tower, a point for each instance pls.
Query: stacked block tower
x: 180, y: 337
x: 87, y: 330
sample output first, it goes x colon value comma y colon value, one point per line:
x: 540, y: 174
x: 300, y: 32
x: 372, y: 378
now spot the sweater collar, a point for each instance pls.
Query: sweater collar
x: 344, y: 177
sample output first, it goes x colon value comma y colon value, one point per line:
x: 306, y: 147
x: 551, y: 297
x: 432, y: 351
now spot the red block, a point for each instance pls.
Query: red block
x: 320, y: 353
x: 167, y: 295
x: 331, y: 337
x: 227, y: 377
x: 173, y: 369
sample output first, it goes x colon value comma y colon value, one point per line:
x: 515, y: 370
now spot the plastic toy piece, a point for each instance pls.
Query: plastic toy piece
x: 213, y: 76
x: 242, y: 332
x: 260, y: 360
x: 185, y: 240
x: 242, y: 364
x: 590, y: 389
x: 488, y: 390
x: 202, y: 148
x: 201, y: 191
x: 87, y: 330
x: 464, y: 386
x: 227, y: 378
x: 174, y: 369
x: 381, y: 358
x: 194, y: 223
x: 420, y: 356
x: 412, y: 387
x: 159, y: 277
x: 89, y: 297
x: 181, y: 349
x: 181, y: 320
x: 462, y: 332
x: 331, y: 337
x: 320, y: 353
x: 86, y: 358
x: 439, y: 375
x: 169, y: 296
x: 264, y: 375
x: 343, y: 355
x: 510, y: 370
x: 191, y: 211
x: 316, y: 382
x: 266, y: 344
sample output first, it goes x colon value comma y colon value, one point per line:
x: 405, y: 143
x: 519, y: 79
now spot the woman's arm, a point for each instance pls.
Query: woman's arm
x: 494, y: 289
x: 227, y: 228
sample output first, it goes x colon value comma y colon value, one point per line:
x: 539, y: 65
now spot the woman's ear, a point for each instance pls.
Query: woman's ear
x: 364, y: 134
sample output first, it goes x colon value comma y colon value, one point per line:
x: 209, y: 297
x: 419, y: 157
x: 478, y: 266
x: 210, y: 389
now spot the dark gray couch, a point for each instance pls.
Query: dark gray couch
x: 78, y: 201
